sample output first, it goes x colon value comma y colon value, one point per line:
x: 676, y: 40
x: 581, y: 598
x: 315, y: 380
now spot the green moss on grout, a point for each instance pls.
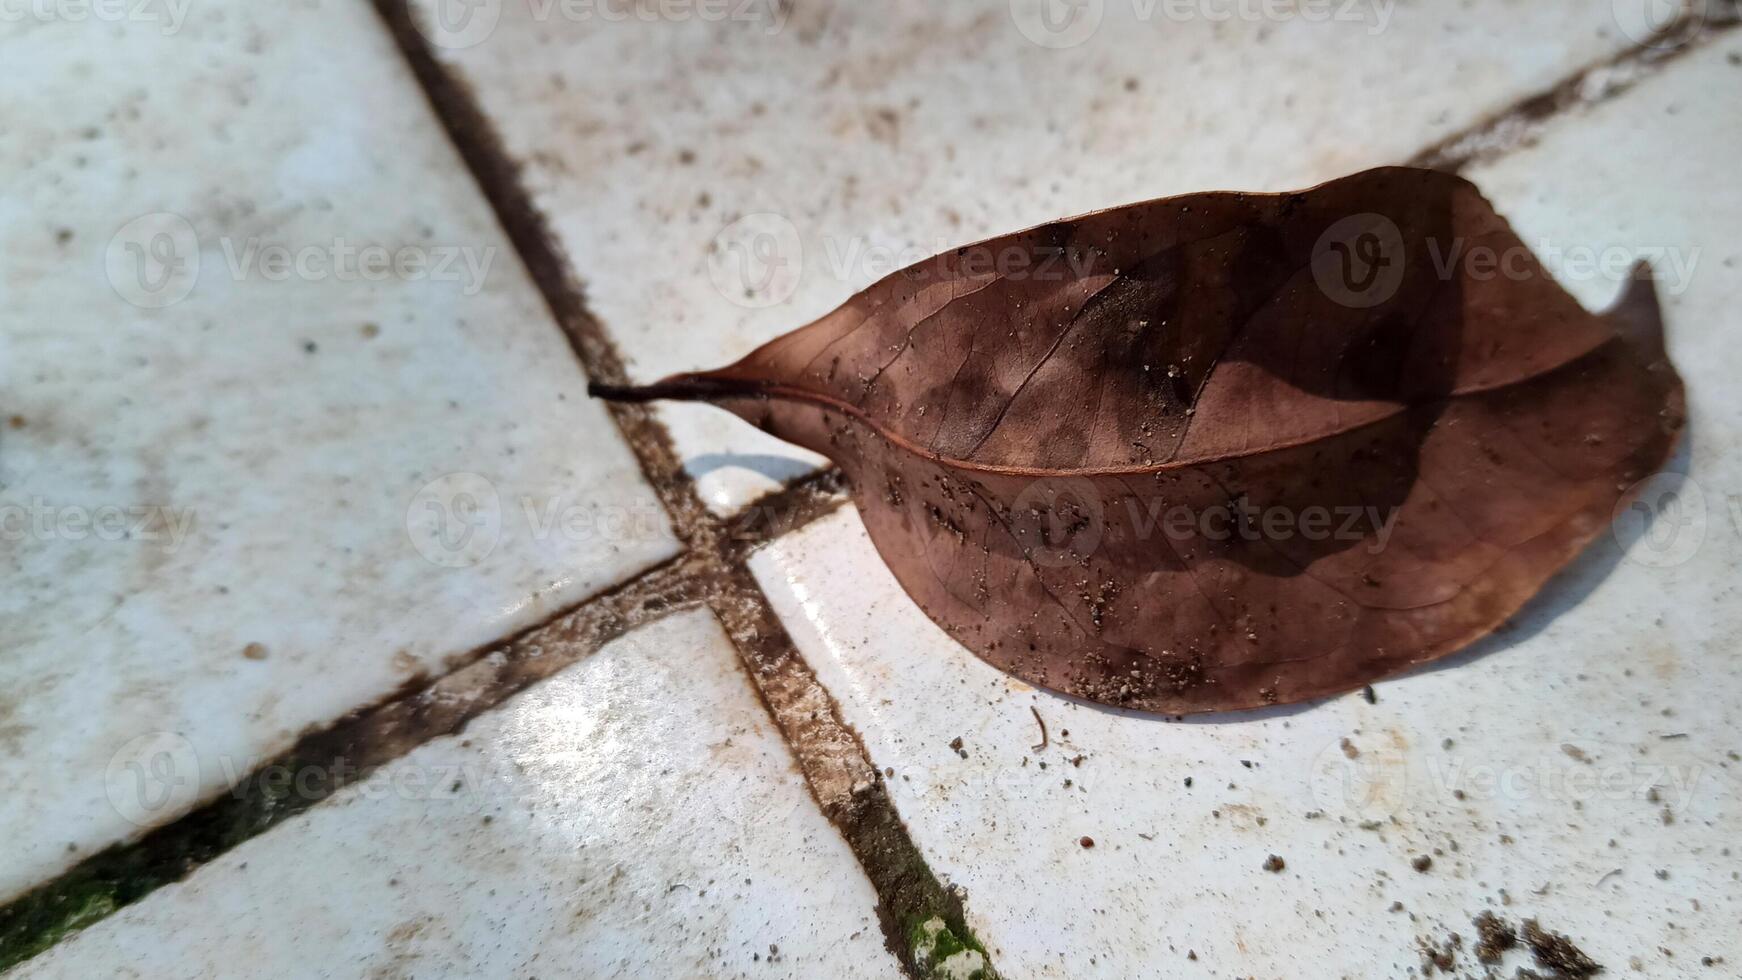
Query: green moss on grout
x: 938, y: 951
x: 121, y: 875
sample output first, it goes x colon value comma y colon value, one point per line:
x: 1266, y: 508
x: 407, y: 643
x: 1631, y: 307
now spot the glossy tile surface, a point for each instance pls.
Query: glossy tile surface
x: 250, y: 477
x: 1582, y: 766
x: 635, y: 815
x: 719, y: 178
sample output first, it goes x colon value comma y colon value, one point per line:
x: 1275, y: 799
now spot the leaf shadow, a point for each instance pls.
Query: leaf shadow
x: 1208, y: 718
x: 781, y: 469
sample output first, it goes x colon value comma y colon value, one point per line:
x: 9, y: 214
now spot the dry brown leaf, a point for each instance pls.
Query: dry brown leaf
x: 1225, y: 450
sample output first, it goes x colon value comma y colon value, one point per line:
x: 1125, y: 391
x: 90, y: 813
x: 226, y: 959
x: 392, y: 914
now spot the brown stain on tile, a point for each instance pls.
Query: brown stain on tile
x: 406, y: 931
x: 12, y: 738
x: 1664, y: 662
x: 400, y: 959
x: 1244, y: 816
x: 15, y: 735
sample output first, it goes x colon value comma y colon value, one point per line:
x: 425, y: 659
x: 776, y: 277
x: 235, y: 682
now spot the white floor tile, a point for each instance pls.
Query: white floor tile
x: 636, y: 815
x: 718, y: 179
x: 1466, y: 765
x: 1582, y: 766
x: 221, y: 497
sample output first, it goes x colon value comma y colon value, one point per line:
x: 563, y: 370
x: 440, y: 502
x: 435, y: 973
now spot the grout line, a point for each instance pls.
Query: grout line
x: 1522, y: 123
x: 847, y: 786
x: 323, y: 762
x: 497, y: 177
x: 351, y: 749
x: 812, y: 496
x: 354, y: 746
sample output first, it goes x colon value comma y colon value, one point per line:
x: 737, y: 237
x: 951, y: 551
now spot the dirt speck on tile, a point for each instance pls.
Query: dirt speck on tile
x: 1493, y: 937
x: 1556, y: 952
x: 1439, y: 957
